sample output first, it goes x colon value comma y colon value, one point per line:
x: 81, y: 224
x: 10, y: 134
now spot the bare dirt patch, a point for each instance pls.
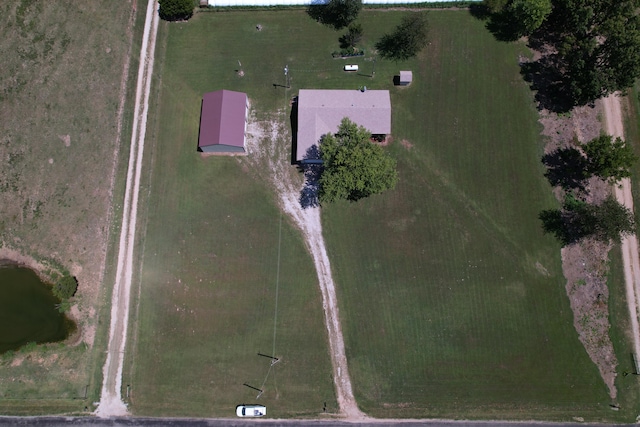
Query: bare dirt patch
x: 584, y: 264
x: 66, y: 139
x: 268, y: 145
x: 406, y: 144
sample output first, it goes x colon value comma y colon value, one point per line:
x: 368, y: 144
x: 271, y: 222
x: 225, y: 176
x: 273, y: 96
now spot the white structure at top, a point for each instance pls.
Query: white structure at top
x: 308, y: 2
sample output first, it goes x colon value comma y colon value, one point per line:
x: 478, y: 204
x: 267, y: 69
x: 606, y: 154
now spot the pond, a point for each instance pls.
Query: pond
x: 28, y: 310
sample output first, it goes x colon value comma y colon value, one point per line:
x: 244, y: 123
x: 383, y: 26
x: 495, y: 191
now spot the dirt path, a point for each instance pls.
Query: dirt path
x: 111, y: 403
x: 614, y: 127
x: 267, y: 144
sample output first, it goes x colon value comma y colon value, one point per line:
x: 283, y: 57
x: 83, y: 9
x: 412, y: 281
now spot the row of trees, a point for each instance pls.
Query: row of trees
x: 596, y: 43
x: 409, y: 37
x: 604, y: 158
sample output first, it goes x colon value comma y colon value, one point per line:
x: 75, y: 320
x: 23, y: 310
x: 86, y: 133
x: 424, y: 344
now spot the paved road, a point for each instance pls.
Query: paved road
x: 232, y: 422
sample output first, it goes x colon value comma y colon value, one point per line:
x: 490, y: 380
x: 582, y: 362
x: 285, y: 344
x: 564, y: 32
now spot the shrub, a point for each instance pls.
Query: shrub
x: 66, y: 287
x: 176, y: 10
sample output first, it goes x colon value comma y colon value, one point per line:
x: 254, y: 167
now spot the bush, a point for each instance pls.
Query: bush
x: 176, y: 10
x: 347, y: 53
x: 66, y: 287
x: 409, y: 38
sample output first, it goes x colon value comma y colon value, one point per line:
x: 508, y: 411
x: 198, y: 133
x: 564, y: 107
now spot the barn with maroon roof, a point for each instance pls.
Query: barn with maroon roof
x: 223, y: 122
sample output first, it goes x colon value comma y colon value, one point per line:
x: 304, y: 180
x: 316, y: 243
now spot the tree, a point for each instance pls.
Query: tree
x: 611, y: 220
x: 351, y: 37
x: 494, y: 6
x: 336, y: 13
x: 577, y: 219
x: 66, y: 287
x: 527, y: 15
x: 176, y: 10
x: 609, y: 159
x: 598, y: 43
x: 354, y: 167
x: 344, y: 12
x: 409, y: 38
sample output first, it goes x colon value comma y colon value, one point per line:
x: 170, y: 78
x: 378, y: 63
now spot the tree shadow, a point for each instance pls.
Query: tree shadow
x: 566, y: 167
x: 320, y: 11
x: 544, y: 77
x: 553, y: 222
x: 503, y: 26
x: 565, y: 225
x: 312, y: 168
x: 480, y: 11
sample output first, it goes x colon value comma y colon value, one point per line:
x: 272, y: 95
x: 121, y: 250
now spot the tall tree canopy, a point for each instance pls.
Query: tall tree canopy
x: 609, y: 159
x: 409, y: 38
x: 352, y: 37
x: 607, y: 221
x: 598, y: 45
x: 527, y: 15
x: 176, y: 10
x: 336, y: 13
x: 354, y: 167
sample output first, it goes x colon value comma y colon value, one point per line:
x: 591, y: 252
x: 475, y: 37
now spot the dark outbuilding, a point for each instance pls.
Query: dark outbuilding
x: 223, y: 122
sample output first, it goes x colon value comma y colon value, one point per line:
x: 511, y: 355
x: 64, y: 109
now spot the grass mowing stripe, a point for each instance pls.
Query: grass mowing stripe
x: 462, y: 269
x: 275, y: 318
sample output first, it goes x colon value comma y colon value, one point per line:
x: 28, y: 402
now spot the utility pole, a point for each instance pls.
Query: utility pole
x: 373, y: 73
x: 286, y: 76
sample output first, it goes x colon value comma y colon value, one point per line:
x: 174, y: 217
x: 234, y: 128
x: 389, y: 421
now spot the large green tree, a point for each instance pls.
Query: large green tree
x: 344, y: 12
x: 608, y: 158
x: 527, y: 15
x: 176, y: 10
x: 352, y: 37
x: 495, y: 6
x: 354, y: 167
x: 577, y: 219
x: 409, y: 38
x: 598, y: 43
x: 336, y: 13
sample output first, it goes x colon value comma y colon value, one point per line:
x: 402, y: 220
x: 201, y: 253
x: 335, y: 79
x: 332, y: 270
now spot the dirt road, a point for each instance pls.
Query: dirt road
x: 268, y: 145
x: 111, y: 403
x: 614, y: 127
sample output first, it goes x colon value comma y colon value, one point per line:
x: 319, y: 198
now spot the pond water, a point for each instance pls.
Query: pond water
x: 28, y: 310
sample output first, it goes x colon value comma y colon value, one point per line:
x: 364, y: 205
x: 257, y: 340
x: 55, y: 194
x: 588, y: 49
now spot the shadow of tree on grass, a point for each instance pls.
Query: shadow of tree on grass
x: 312, y: 168
x: 566, y: 167
x: 552, y: 90
x: 555, y: 222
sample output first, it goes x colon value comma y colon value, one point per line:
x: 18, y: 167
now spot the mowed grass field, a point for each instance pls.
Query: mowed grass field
x: 60, y: 83
x: 224, y: 275
x: 453, y: 301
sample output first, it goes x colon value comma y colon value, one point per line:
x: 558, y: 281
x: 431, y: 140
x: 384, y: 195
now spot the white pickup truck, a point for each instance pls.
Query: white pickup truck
x: 251, y: 410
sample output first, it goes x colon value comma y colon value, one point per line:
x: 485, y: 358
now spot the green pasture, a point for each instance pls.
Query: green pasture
x: 60, y: 80
x: 452, y: 300
x: 224, y: 274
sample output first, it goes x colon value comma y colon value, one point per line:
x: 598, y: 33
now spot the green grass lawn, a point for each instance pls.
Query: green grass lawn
x: 221, y: 265
x: 452, y: 300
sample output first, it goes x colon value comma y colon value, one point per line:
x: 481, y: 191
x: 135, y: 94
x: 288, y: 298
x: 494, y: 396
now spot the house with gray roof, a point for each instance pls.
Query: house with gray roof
x: 321, y: 111
x: 223, y: 122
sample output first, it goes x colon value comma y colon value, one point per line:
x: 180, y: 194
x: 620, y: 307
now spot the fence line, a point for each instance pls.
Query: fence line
x: 218, y: 3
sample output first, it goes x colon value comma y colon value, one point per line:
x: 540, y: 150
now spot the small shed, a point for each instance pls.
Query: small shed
x: 406, y: 77
x: 223, y: 122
